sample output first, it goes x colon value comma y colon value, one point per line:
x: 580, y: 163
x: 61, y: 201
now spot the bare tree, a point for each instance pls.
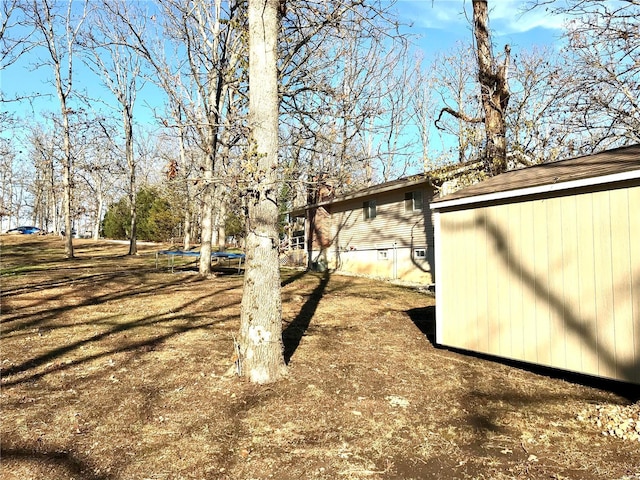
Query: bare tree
x: 492, y: 77
x: 10, y: 185
x: 389, y: 148
x: 59, y: 29
x: 181, y: 168
x: 538, y: 125
x: 455, y: 81
x: 119, y: 66
x: 213, y: 48
x: 98, y: 173
x: 342, y: 111
x: 601, y: 64
x: 45, y: 154
x: 423, y: 107
x: 208, y: 35
x: 260, y: 348
x: 12, y: 47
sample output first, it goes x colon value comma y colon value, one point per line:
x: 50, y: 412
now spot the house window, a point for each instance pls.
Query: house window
x: 369, y: 209
x: 420, y: 253
x: 413, y: 201
x: 383, y: 254
x: 297, y: 241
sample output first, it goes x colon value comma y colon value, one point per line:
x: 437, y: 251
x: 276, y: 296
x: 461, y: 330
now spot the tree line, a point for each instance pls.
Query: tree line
x: 357, y: 106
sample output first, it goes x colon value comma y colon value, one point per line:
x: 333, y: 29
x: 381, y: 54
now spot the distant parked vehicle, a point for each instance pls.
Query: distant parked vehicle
x: 25, y: 231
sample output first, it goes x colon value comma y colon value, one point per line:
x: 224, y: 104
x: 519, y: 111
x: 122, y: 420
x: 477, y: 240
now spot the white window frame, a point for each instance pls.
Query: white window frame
x: 420, y: 253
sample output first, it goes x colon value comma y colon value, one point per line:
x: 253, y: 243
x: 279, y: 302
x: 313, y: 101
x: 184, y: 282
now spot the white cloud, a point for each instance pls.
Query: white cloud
x: 439, y: 14
x: 505, y: 16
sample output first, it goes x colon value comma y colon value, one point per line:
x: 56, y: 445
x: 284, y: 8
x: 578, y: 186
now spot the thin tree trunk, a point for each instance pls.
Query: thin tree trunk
x: 218, y: 231
x: 260, y: 347
x: 187, y: 203
x: 128, y: 133
x: 66, y: 181
x: 187, y: 227
x: 100, y: 206
x: 52, y: 200
x: 222, y: 233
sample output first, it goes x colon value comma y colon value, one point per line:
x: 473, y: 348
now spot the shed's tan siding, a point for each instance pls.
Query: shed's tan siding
x: 553, y: 281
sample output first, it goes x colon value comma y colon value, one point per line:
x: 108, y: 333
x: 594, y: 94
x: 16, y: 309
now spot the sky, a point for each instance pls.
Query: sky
x: 436, y: 25
x: 440, y: 23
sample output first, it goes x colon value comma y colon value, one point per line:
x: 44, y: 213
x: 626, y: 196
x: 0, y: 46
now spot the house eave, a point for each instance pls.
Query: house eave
x: 536, y: 190
x: 371, y: 191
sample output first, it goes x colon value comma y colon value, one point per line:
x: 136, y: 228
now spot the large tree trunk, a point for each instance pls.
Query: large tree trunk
x: 494, y: 90
x: 260, y: 347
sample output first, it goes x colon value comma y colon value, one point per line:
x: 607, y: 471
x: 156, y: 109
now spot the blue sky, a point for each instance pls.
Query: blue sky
x: 441, y: 23
x: 437, y: 24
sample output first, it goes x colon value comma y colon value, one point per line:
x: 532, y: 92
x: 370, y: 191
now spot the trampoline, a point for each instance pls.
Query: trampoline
x: 172, y: 254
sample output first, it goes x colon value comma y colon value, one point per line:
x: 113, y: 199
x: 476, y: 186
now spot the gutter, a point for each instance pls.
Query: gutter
x: 536, y: 190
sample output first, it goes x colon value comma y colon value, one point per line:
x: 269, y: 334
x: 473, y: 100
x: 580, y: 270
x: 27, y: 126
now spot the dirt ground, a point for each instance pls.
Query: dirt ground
x: 114, y: 370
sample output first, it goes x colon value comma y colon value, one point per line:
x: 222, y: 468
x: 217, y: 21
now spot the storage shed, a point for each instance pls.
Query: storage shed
x: 542, y: 265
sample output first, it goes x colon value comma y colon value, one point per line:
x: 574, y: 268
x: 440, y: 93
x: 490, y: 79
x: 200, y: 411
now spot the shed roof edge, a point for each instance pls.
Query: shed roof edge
x: 536, y: 190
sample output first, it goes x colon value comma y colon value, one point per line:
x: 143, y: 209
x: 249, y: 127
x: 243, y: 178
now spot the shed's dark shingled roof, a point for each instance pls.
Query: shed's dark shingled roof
x: 609, y: 162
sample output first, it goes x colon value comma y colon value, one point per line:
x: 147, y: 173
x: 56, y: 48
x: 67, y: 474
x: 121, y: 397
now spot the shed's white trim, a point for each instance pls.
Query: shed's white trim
x: 539, y: 189
x: 438, y: 277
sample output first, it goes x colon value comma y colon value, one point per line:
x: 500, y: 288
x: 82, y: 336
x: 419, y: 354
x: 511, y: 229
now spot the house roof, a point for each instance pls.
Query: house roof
x: 365, y: 192
x: 435, y: 177
x: 614, y: 165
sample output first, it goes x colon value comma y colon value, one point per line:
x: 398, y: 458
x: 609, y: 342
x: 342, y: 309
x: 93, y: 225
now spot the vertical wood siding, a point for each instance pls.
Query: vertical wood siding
x: 553, y: 281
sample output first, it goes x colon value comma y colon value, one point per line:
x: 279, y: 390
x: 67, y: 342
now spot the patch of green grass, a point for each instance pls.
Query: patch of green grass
x: 24, y: 269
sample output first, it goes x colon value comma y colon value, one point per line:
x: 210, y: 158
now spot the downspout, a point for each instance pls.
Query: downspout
x: 395, y: 260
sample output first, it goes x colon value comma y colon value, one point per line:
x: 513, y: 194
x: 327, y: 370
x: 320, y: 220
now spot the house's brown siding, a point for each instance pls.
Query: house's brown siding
x: 320, y: 225
x: 553, y: 281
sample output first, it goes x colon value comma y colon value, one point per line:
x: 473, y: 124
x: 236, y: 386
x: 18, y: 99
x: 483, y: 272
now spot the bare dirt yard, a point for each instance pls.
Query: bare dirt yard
x: 115, y: 370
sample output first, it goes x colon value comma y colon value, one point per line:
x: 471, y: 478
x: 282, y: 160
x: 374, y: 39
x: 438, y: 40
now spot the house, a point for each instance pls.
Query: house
x: 542, y: 265
x: 383, y: 231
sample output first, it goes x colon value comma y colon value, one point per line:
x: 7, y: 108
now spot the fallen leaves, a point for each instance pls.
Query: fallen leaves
x: 619, y: 421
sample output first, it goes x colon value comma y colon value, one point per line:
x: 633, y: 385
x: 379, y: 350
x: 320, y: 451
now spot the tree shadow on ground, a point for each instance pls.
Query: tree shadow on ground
x: 178, y: 320
x: 293, y: 278
x: 294, y: 331
x: 64, y: 463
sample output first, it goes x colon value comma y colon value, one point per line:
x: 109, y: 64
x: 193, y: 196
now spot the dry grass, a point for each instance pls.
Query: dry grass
x: 114, y: 370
